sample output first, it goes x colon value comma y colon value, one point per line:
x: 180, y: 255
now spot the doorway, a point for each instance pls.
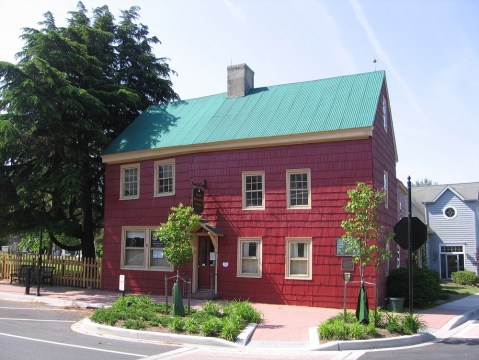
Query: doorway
x: 206, y: 263
x: 452, y: 260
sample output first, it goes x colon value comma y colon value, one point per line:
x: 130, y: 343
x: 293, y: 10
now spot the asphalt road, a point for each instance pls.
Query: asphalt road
x: 38, y: 331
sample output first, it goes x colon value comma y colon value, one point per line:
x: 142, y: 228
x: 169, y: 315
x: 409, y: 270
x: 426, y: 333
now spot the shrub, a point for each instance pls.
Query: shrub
x: 232, y: 326
x: 106, y: 316
x: 192, y: 326
x: 411, y: 324
x: 177, y: 324
x: 244, y: 310
x: 135, y: 324
x: 465, y: 278
x: 212, y: 308
x: 426, y: 285
x: 140, y: 312
x: 211, y: 327
x: 336, y: 329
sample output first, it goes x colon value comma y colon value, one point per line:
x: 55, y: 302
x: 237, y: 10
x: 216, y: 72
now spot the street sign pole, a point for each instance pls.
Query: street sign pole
x: 409, y: 241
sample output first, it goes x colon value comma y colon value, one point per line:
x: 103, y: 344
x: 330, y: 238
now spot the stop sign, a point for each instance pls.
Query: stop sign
x: 418, y: 233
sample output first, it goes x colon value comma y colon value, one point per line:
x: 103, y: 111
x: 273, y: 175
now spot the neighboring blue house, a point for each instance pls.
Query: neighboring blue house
x: 451, y: 213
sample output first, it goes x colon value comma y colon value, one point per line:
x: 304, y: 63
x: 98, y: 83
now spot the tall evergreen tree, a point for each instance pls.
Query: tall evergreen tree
x: 73, y: 90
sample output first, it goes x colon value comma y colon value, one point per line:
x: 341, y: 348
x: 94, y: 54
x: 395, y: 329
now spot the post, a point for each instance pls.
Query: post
x: 189, y: 296
x: 39, y: 264
x: 346, y: 277
x: 212, y: 294
x: 121, y: 285
x: 166, y: 291
x: 409, y: 243
x: 27, y: 286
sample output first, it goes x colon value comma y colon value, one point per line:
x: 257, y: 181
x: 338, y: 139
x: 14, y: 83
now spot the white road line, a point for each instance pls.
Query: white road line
x: 15, y: 319
x: 74, y: 346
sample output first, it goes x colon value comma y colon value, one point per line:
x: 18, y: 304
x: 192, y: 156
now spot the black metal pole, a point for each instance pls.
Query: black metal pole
x: 409, y: 243
x: 39, y: 264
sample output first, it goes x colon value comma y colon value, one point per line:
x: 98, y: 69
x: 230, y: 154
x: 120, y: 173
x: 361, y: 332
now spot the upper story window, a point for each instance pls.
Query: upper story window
x: 141, y: 249
x: 164, y: 177
x: 298, y: 192
x: 130, y: 181
x: 385, y: 113
x: 249, y: 258
x: 386, y: 189
x: 299, y: 259
x: 253, y: 190
x: 450, y: 212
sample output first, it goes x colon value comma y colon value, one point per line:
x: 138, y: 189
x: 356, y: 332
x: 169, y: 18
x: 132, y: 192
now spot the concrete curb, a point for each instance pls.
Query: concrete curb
x: 88, y: 326
x: 399, y: 341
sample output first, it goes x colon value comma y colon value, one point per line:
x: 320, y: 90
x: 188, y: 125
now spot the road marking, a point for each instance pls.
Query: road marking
x: 74, y: 346
x: 40, y: 320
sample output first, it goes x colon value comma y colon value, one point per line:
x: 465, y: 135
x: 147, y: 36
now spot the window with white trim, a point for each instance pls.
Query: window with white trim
x: 298, y: 185
x: 165, y: 177
x: 130, y: 181
x: 249, y: 257
x: 253, y: 190
x: 386, y: 189
x: 142, y: 250
x: 385, y: 113
x: 299, y: 258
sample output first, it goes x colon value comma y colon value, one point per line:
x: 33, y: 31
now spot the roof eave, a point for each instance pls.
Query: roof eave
x: 324, y: 136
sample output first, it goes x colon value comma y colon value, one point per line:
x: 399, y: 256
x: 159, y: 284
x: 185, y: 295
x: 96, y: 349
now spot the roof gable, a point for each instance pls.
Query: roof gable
x: 448, y: 188
x: 327, y: 105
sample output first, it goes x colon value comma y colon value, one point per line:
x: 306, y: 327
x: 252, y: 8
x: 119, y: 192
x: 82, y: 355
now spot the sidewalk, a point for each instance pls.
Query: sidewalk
x: 284, y: 326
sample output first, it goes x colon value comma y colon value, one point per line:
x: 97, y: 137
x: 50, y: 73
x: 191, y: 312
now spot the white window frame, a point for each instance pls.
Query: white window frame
x: 288, y: 188
x: 263, y: 189
x: 156, y: 177
x: 386, y: 189
x: 309, y: 259
x: 123, y: 168
x: 258, y: 257
x: 385, y: 113
x: 147, y: 248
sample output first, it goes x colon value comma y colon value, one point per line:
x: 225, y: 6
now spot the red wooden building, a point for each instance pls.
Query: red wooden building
x: 277, y: 162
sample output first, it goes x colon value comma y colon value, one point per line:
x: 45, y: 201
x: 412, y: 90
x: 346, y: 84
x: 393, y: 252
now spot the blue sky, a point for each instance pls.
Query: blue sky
x: 428, y: 48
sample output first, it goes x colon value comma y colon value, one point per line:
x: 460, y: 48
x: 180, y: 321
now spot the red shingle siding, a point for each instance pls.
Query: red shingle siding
x: 335, y: 168
x: 384, y: 159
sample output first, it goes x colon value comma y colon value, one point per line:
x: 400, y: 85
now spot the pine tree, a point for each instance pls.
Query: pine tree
x: 73, y: 90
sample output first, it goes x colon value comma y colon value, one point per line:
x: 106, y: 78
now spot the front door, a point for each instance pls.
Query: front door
x: 450, y: 264
x: 206, y: 263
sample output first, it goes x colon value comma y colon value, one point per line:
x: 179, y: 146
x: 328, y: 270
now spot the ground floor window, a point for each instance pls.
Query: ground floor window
x: 298, y: 258
x: 249, y: 257
x: 141, y: 249
x: 452, y: 260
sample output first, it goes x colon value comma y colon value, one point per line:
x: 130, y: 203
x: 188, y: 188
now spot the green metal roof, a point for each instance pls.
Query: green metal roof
x: 338, y: 103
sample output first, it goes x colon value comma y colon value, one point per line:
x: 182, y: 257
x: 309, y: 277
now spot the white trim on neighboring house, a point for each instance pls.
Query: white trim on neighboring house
x: 453, y: 191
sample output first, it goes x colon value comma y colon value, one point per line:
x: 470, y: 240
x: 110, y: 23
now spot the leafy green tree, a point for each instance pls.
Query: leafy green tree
x: 363, y: 236
x: 425, y: 182
x: 73, y: 90
x: 176, y: 234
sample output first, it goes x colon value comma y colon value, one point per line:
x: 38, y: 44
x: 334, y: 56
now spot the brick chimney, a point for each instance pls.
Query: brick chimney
x: 240, y: 80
